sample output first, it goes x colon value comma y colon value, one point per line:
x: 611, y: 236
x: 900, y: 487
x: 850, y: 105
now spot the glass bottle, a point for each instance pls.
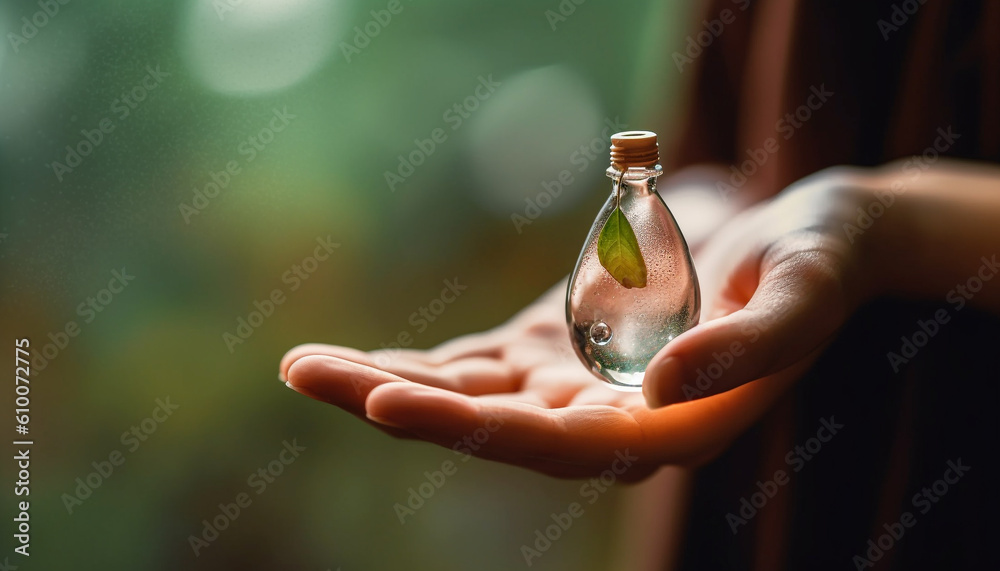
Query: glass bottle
x: 623, y: 307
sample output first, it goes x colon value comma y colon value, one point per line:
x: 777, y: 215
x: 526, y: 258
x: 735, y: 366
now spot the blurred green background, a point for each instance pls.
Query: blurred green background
x: 220, y: 70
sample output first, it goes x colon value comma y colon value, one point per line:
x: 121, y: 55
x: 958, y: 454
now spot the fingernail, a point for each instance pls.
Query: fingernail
x: 665, y: 386
x: 305, y: 392
x: 383, y: 421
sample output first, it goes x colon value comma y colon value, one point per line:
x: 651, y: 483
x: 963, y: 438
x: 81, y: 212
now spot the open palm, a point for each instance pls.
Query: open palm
x: 778, y: 281
x: 518, y: 394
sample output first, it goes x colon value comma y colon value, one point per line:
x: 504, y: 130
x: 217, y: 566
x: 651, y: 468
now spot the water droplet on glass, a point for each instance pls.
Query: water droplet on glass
x: 600, y: 333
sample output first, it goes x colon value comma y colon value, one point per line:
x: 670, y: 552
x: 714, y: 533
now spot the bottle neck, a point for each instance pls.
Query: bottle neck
x: 638, y: 181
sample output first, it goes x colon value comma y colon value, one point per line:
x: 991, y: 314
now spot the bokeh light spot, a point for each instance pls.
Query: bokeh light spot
x: 528, y: 133
x: 258, y: 46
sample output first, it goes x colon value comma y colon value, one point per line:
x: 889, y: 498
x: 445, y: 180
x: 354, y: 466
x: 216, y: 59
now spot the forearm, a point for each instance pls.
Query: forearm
x: 939, y: 238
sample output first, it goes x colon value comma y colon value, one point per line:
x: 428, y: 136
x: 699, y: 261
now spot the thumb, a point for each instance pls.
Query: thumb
x: 799, y: 303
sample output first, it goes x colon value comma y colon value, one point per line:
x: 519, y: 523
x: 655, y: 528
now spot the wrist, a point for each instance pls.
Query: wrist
x: 861, y: 205
x: 888, y: 246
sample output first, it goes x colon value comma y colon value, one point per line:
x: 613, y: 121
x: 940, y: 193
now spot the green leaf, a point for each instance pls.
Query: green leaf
x: 618, y: 250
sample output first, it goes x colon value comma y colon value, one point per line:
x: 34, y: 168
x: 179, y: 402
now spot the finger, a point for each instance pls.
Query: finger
x: 323, y: 378
x: 311, y: 377
x: 583, y: 435
x: 381, y: 358
x: 798, y: 305
x: 471, y: 375
x: 296, y: 353
x: 531, y: 353
x: 579, y: 441
x: 337, y: 381
x: 487, y: 344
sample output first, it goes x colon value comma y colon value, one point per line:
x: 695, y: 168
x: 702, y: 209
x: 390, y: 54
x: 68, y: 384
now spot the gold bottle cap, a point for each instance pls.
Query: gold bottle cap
x: 634, y: 149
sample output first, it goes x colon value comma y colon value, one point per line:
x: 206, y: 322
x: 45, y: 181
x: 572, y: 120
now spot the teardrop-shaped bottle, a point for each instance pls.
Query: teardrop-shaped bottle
x: 634, y: 288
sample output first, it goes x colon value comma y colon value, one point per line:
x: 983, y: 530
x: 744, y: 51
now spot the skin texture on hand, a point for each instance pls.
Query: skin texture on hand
x: 778, y: 281
x: 538, y: 406
x: 522, y: 391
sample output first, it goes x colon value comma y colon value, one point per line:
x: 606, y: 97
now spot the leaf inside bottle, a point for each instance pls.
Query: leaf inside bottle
x: 618, y: 251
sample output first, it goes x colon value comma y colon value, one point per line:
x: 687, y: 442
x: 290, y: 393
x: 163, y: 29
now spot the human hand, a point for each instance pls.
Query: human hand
x: 779, y: 279
x: 518, y: 394
x: 778, y: 282
x: 557, y: 418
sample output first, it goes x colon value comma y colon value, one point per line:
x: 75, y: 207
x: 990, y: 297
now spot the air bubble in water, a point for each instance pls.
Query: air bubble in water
x: 600, y: 333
